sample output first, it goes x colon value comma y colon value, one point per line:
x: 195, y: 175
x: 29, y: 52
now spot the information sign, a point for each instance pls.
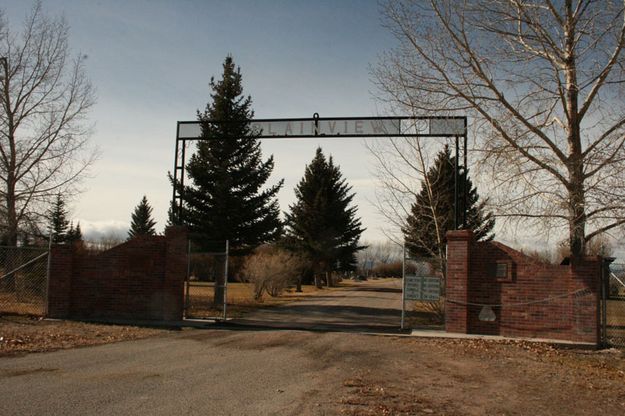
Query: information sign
x: 423, y: 288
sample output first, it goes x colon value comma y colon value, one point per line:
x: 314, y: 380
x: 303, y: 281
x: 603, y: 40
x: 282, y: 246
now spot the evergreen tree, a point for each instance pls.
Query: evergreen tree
x: 322, y: 224
x: 142, y: 222
x: 171, y: 216
x: 57, y: 218
x: 74, y: 234
x: 432, y: 214
x: 228, y: 200
x: 77, y: 233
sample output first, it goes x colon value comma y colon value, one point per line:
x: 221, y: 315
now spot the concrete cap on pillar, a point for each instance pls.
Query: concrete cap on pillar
x: 459, y: 235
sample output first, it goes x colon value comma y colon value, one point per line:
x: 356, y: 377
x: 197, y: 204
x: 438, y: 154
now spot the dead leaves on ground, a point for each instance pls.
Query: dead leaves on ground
x: 19, y: 334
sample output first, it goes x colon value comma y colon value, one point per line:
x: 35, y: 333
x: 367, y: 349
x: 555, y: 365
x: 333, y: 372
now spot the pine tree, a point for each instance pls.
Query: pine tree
x: 77, y: 233
x: 227, y: 200
x: 74, y: 234
x: 142, y: 222
x: 432, y: 214
x: 322, y: 224
x: 172, y: 219
x: 57, y: 218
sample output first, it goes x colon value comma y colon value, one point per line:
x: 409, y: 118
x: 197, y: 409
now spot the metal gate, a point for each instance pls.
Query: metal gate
x: 422, y: 284
x: 24, y: 280
x: 207, y: 281
x: 613, y: 305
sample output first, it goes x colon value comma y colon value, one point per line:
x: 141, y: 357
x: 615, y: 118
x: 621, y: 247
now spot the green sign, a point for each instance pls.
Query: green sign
x: 424, y: 288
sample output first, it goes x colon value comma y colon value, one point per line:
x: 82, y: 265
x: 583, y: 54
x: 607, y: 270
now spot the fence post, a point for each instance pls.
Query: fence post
x: 226, y: 280
x: 603, y: 303
x: 187, y: 297
x: 48, y: 273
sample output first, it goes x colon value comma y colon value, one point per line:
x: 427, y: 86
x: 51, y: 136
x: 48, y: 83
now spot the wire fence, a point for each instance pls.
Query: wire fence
x: 206, y: 284
x: 615, y: 306
x: 23, y: 280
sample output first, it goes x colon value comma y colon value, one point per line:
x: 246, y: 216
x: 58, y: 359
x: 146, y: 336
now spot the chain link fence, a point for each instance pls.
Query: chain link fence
x: 615, y: 306
x: 23, y: 280
x: 206, y: 284
x: 423, y: 284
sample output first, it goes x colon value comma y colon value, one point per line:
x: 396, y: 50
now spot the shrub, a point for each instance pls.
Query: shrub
x: 393, y: 269
x: 436, y: 309
x: 271, y: 270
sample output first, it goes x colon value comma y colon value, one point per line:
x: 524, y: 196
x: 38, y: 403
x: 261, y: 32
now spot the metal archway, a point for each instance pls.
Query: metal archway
x: 341, y: 127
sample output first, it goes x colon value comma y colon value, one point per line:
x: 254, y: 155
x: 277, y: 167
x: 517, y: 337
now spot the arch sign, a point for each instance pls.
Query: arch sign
x: 294, y: 128
x: 342, y: 127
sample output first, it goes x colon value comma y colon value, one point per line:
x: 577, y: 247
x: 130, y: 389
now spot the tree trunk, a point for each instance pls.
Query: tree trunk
x: 577, y: 211
x: 12, y: 223
x: 298, y: 287
x: 317, y: 281
x: 577, y: 221
x: 11, y: 263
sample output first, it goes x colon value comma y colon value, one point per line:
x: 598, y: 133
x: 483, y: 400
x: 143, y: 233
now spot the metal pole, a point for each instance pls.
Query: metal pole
x: 48, y: 272
x: 403, y: 286
x: 180, y: 211
x: 465, y: 184
x: 605, y: 284
x: 174, y: 207
x: 226, y: 281
x: 456, y: 196
x: 187, y: 301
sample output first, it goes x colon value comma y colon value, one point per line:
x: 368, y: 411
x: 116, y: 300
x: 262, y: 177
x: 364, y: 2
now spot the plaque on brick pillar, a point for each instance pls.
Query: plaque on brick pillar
x: 487, y: 314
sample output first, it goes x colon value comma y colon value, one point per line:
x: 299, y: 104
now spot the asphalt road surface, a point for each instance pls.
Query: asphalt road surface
x: 246, y: 370
x: 238, y: 369
x: 369, y: 306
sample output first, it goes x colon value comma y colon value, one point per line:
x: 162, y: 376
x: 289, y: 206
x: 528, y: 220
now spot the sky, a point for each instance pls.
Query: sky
x: 151, y: 62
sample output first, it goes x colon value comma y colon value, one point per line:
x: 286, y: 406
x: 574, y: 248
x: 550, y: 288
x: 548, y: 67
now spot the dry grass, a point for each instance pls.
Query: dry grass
x: 24, y: 305
x: 616, y: 312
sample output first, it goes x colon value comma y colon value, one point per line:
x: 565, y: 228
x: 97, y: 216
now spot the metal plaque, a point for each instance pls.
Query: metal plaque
x: 487, y: 314
x: 424, y: 288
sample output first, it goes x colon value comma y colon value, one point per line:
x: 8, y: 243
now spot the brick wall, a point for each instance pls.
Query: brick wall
x: 142, y: 279
x: 571, y: 311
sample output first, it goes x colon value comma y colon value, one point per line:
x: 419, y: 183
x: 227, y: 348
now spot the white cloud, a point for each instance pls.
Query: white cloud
x: 110, y: 229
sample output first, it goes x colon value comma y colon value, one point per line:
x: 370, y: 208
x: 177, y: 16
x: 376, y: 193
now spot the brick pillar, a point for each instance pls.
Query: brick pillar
x: 586, y: 274
x: 60, y: 283
x: 456, y: 285
x: 177, y: 241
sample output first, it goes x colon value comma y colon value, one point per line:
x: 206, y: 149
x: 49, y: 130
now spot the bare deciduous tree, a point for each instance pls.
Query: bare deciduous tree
x: 543, y: 82
x: 43, y: 136
x: 401, y: 167
x: 377, y: 253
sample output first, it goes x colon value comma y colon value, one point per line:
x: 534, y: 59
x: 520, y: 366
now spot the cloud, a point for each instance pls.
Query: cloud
x: 109, y: 229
